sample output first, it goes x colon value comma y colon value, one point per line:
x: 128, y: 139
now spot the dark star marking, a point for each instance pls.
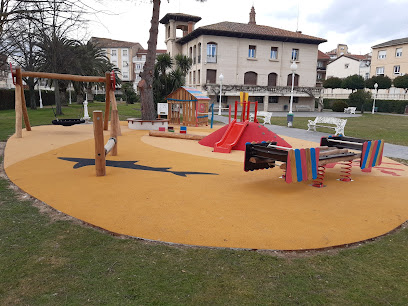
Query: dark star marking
x: 83, y: 162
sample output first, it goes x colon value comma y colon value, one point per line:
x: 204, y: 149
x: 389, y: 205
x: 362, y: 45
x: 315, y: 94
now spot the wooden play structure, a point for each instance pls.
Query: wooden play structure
x: 20, y: 103
x: 111, y: 146
x: 188, y: 106
x: 309, y: 164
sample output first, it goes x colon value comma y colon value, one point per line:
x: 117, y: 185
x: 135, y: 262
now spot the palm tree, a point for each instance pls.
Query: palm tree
x: 146, y: 84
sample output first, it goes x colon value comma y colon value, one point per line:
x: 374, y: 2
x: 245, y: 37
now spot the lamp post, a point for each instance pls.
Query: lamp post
x: 69, y: 91
x: 86, y: 115
x: 293, y: 67
x: 221, y: 77
x: 375, y: 96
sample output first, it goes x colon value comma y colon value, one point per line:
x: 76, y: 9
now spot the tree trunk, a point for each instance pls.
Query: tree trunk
x: 58, y: 108
x: 146, y: 84
x: 31, y: 93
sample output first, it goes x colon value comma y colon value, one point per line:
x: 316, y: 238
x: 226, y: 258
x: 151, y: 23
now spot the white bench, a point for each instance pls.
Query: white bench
x: 266, y: 116
x: 337, y: 124
x: 302, y: 107
x: 350, y: 110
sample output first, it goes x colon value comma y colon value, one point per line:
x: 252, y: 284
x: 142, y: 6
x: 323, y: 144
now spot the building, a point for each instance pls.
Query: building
x: 322, y: 60
x: 349, y: 64
x: 341, y: 49
x: 390, y: 58
x: 120, y: 54
x: 138, y: 63
x: 252, y: 58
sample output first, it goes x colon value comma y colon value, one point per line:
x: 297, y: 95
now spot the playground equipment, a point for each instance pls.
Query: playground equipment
x: 102, y: 150
x: 175, y: 135
x: 188, y: 106
x: 307, y: 164
x: 235, y: 129
x: 20, y: 104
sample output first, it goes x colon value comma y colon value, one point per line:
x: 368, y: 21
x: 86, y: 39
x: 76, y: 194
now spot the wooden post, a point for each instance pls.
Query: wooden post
x: 107, y: 100
x: 114, y: 130
x: 25, y: 113
x: 100, y: 161
x: 115, y: 107
x: 18, y: 104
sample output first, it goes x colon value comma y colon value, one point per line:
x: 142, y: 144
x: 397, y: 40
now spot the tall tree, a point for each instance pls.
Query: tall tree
x: 384, y: 82
x: 353, y: 82
x: 146, y: 84
x: 401, y: 82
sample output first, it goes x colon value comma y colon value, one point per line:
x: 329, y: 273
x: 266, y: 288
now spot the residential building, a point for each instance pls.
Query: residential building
x: 252, y: 58
x: 120, y: 53
x: 322, y: 61
x: 341, y: 49
x: 349, y: 64
x: 138, y: 63
x: 390, y: 58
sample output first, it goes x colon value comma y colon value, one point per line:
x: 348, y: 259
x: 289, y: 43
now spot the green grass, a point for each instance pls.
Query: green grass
x: 48, y: 261
x: 393, y: 129
x: 45, y: 115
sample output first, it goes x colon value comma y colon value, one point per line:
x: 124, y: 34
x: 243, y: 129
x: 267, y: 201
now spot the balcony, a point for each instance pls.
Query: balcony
x: 211, y: 58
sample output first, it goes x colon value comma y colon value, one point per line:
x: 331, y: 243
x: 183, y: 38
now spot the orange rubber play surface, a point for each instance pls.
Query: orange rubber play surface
x: 226, y: 208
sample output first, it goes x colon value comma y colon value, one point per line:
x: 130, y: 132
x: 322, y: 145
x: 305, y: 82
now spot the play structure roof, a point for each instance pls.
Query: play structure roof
x: 187, y: 93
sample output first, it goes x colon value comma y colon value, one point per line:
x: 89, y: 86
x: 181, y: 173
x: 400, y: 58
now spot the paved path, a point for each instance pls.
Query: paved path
x: 390, y: 150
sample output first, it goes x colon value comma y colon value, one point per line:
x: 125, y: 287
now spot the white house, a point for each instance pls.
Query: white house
x: 348, y: 64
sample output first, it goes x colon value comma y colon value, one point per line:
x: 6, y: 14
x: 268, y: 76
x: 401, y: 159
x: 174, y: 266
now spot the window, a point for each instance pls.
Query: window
x: 320, y: 64
x: 191, y: 52
x: 211, y: 76
x: 194, y: 77
x: 252, y: 52
x: 346, y: 66
x: 189, y: 79
x: 139, y: 66
x: 115, y: 63
x: 211, y: 52
x: 114, y: 52
x: 250, y: 78
x: 125, y: 64
x: 198, y: 77
x: 379, y: 71
x: 274, y: 53
x: 295, y: 54
x: 273, y: 99
x: 296, y: 83
x: 125, y: 75
x: 319, y: 76
x: 125, y: 52
x: 295, y: 99
x: 272, y: 79
x: 397, y: 70
x: 367, y: 76
x: 194, y: 54
x: 398, y: 52
x: 199, y: 54
x: 382, y: 54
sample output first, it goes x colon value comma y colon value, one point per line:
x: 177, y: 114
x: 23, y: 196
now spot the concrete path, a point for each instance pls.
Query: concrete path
x: 390, y: 150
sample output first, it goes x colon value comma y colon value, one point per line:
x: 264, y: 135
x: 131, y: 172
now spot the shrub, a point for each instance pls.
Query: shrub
x: 339, y: 106
x: 360, y: 99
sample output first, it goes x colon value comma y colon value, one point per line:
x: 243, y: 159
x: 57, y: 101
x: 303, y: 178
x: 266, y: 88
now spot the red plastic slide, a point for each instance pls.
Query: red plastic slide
x: 231, y: 136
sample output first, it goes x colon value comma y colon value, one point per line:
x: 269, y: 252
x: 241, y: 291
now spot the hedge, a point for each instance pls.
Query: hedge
x: 7, y: 98
x: 384, y: 106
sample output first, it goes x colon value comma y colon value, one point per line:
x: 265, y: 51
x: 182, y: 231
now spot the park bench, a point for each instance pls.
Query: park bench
x: 350, y: 110
x: 265, y: 115
x: 336, y: 124
x: 302, y: 108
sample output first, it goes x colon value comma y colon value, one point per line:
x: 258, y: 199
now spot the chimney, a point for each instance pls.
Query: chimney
x: 190, y: 27
x: 252, y: 16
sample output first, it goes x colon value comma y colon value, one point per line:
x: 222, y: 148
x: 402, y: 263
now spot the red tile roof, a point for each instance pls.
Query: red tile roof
x: 111, y: 43
x: 322, y: 56
x: 252, y: 31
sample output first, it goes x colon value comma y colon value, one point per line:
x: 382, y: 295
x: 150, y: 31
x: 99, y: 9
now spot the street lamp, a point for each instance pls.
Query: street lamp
x: 375, y: 96
x: 293, y: 67
x: 221, y: 77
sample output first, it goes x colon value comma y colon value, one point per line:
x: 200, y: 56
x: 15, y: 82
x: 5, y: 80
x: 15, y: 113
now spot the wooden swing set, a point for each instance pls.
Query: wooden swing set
x: 20, y: 103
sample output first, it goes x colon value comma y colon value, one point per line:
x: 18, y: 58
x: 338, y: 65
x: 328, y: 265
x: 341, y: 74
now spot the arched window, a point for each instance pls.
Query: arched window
x: 250, y: 78
x: 211, y: 52
x: 296, y: 83
x: 168, y: 31
x: 194, y: 54
x: 272, y: 78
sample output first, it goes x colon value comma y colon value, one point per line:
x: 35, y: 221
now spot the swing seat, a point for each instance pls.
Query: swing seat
x: 67, y: 122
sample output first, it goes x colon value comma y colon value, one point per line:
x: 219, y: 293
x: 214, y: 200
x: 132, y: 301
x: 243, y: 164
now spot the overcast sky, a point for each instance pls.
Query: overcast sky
x: 359, y: 24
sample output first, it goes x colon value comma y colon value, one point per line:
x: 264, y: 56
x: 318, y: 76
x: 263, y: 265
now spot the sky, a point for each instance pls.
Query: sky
x: 359, y: 24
